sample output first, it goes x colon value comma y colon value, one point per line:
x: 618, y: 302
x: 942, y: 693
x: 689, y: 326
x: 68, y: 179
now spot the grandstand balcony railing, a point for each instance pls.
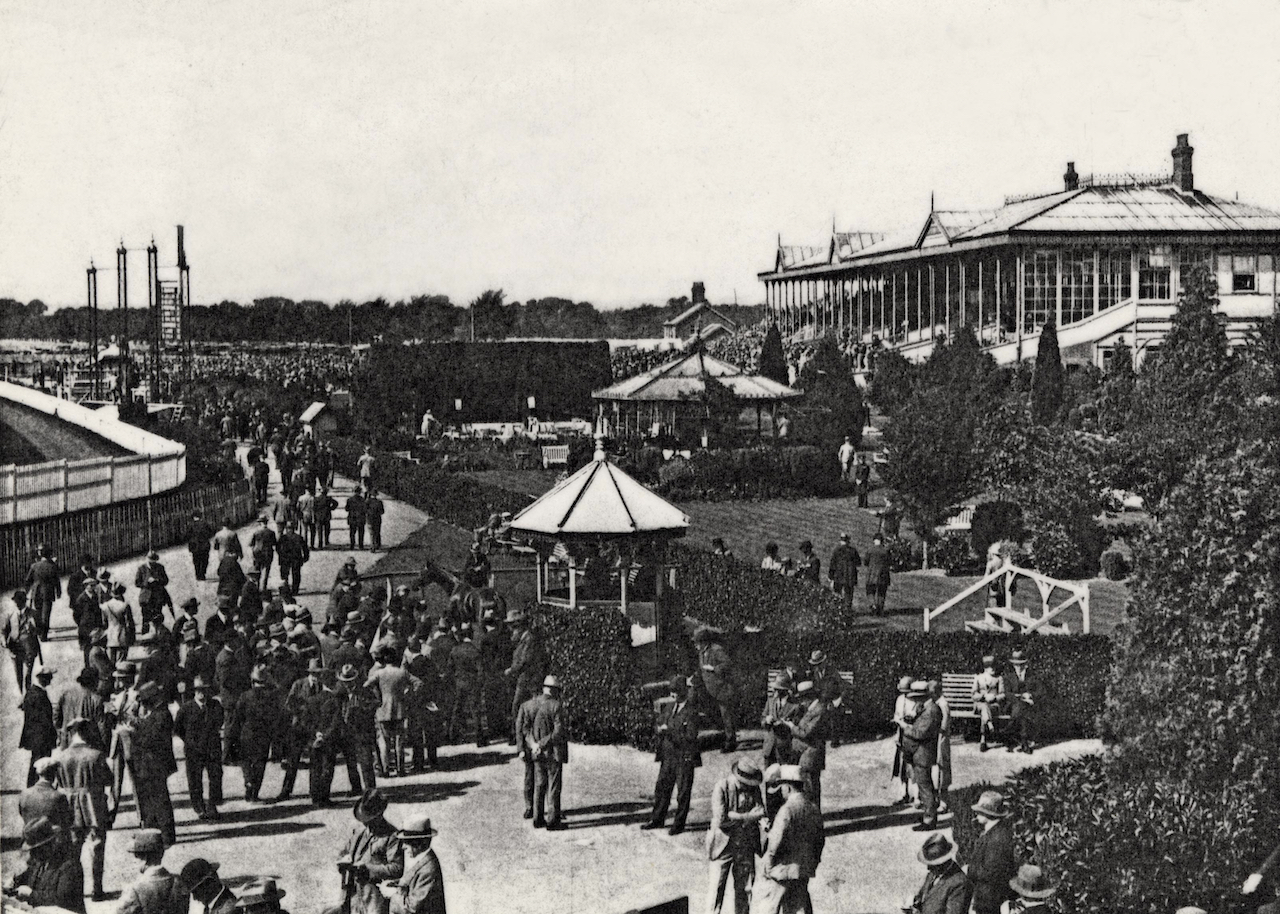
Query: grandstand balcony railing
x: 33, y: 491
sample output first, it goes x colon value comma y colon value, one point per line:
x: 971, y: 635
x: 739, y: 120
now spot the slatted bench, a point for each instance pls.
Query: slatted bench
x: 846, y: 676
x: 555, y: 455
x: 957, y: 688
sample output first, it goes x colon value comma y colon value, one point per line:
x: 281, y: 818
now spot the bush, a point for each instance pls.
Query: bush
x: 757, y: 472
x: 1115, y: 567
x: 1053, y: 551
x: 992, y: 522
x: 952, y: 553
x: 1115, y: 837
x: 589, y: 648
x: 903, y: 555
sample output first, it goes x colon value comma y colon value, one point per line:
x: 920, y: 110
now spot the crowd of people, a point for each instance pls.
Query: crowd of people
x: 307, y: 367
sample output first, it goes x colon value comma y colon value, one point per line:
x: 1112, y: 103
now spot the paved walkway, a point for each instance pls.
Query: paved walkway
x: 492, y: 859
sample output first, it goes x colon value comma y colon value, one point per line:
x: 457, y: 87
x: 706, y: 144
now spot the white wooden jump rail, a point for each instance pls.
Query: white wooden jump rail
x: 1006, y: 618
x: 555, y: 455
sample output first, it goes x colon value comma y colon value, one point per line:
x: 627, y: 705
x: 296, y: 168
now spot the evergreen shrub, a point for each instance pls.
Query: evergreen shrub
x: 952, y: 554
x: 1115, y: 567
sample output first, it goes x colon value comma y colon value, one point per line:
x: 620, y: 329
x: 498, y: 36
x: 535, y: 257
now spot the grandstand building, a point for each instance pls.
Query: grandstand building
x: 1103, y: 257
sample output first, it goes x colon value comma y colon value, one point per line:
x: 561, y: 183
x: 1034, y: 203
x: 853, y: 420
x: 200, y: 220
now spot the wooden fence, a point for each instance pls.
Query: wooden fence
x: 119, y: 530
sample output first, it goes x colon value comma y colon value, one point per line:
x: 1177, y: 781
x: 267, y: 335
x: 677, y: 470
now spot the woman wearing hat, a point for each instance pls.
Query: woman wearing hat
x: 53, y: 877
x: 421, y: 888
x: 991, y: 860
x: 988, y: 697
x: 904, y: 712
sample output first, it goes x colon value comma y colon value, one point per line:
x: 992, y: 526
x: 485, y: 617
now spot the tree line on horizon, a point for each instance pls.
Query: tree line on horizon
x: 421, y: 317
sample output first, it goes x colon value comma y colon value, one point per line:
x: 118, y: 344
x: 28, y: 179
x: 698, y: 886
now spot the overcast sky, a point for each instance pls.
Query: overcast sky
x: 602, y: 151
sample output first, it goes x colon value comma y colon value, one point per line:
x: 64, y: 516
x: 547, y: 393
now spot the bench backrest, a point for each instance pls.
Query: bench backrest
x: 555, y: 453
x: 958, y: 690
x: 846, y: 676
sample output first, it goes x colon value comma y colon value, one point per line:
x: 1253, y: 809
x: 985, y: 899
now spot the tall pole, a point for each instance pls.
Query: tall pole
x: 122, y: 308
x: 91, y: 278
x: 153, y: 319
x: 184, y: 302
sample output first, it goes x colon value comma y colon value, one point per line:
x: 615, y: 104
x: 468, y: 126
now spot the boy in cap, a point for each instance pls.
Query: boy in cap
x: 678, y: 757
x: 543, y: 737
x: 421, y: 888
x: 733, y: 840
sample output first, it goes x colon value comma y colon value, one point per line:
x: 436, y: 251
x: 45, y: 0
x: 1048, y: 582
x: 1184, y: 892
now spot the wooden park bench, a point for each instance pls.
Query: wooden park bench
x: 555, y: 455
x: 957, y: 689
x: 846, y: 676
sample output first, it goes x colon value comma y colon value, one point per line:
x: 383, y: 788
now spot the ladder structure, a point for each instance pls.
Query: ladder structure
x: 1006, y: 618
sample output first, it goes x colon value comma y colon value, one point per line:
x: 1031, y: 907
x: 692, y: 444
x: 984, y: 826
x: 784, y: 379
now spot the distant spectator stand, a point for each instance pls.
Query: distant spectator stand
x: 601, y: 537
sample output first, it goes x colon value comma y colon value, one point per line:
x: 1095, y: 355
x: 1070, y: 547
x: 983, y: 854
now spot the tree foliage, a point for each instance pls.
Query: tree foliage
x: 832, y: 406
x: 1048, y: 381
x: 892, y: 378
x: 773, y: 361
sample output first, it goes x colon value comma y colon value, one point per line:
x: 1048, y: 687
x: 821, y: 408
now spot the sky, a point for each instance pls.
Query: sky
x: 608, y: 152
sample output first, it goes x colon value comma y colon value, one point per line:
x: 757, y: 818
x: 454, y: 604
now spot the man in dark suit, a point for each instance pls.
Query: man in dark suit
x: 152, y: 581
x: 528, y: 660
x: 86, y: 572
x: 843, y: 570
x: 920, y: 745
x: 945, y: 890
x: 991, y: 859
x: 543, y: 739
x: 808, y: 739
x: 199, y: 543
x: 199, y: 877
x: 678, y: 758
x: 1020, y: 690
x: 39, y: 735
x: 44, y: 585
x: 199, y: 726
x: 53, y: 877
x: 877, y: 562
x: 42, y: 800
x: 716, y: 669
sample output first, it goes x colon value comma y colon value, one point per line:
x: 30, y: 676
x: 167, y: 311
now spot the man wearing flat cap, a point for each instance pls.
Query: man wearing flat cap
x: 543, y: 737
x: 733, y: 840
x: 43, y: 800
x: 421, y: 888
x: 156, y: 891
x: 199, y: 879
x: 678, y: 757
x: 86, y: 779
x: 991, y: 859
x: 199, y: 726
x: 792, y: 850
x: 53, y: 877
x: 946, y: 889
x: 373, y: 854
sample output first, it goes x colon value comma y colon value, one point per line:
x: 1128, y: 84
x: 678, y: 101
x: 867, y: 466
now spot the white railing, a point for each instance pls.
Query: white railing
x: 60, y: 486
x: 1006, y: 618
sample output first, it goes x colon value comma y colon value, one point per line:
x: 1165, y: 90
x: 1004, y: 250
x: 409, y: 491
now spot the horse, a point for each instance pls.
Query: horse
x: 466, y: 603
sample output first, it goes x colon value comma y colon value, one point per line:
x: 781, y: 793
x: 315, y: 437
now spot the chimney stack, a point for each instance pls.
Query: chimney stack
x: 699, y: 293
x: 1182, y: 176
x: 1071, y: 180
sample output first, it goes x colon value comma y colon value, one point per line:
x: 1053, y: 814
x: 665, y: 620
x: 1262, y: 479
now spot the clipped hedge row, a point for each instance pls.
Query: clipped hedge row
x: 1117, y: 839
x: 589, y: 648
x: 451, y: 497
x: 791, y: 619
x: 756, y: 472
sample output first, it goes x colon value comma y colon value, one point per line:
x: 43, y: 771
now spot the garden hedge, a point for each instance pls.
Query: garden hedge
x: 756, y: 472
x: 451, y: 497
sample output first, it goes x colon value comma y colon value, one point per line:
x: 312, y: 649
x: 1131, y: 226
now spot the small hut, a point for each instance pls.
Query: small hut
x: 676, y: 398
x: 601, y: 537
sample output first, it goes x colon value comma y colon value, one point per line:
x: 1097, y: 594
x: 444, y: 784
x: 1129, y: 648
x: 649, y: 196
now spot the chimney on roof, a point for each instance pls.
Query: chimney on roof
x: 699, y: 293
x: 1071, y: 180
x: 1182, y: 176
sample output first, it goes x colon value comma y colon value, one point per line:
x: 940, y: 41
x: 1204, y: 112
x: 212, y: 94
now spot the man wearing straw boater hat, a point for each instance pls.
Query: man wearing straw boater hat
x: 733, y: 840
x: 792, y: 851
x: 1033, y: 889
x: 421, y: 888
x: 373, y: 854
x: 991, y: 860
x: 945, y: 890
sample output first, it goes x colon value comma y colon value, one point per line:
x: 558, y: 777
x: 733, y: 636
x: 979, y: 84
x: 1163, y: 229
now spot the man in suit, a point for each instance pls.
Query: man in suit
x: 946, y: 889
x: 231, y: 581
x: 808, y: 739
x: 678, y: 757
x: 991, y: 859
x: 257, y: 721
x: 80, y: 699
x: 779, y: 708
x: 920, y: 746
x: 792, y: 850
x: 355, y: 520
x: 988, y: 698
x: 391, y: 681
x: 199, y: 878
x: 39, y: 735
x: 1033, y: 889
x: 43, y: 800
x: 733, y: 840
x: 152, y: 581
x: 302, y: 711
x: 543, y: 739
x: 421, y: 888
x: 877, y: 562
x: 199, y: 538
x: 227, y: 541
x: 323, y: 508
x: 294, y: 553
x: 218, y: 627
x: 373, y: 854
x: 156, y: 891
x: 373, y: 511
x: 528, y: 661
x: 199, y: 726
x: 1020, y: 690
x: 262, y: 545
x: 53, y: 877
x: 44, y: 585
x: 862, y: 481
x: 86, y: 572
x: 716, y: 669
x: 86, y: 779
x: 843, y: 570
x: 151, y: 727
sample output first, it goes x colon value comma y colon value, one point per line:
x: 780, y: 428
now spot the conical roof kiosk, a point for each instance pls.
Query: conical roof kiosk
x: 602, y: 515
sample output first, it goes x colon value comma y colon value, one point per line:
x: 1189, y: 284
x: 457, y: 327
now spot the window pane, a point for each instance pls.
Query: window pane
x: 1040, y: 292
x: 1114, y: 277
x: 1154, y: 274
x: 1077, y: 286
